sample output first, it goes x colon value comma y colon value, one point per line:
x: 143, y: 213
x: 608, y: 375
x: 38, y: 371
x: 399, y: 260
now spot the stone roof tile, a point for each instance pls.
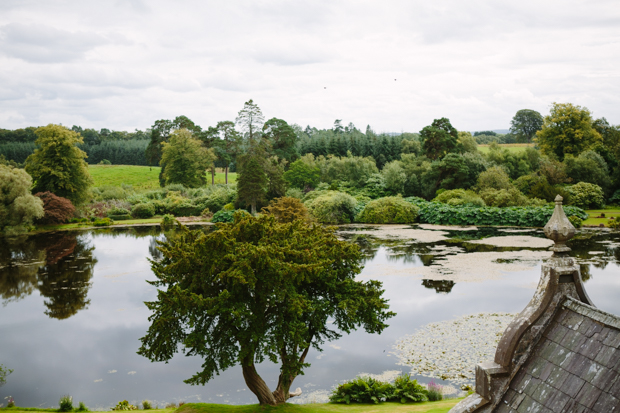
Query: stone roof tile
x: 588, y: 395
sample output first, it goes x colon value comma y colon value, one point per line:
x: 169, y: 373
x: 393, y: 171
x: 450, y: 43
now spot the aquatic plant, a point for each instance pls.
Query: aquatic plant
x: 449, y: 350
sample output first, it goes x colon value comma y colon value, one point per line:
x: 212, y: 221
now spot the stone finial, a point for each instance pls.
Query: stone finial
x: 559, y: 228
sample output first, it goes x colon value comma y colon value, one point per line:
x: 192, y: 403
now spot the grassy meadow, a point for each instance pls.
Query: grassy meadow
x: 140, y: 177
x: 512, y: 147
x: 593, y: 215
x: 427, y: 407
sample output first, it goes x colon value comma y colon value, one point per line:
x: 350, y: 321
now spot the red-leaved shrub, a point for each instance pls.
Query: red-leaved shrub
x: 57, y: 209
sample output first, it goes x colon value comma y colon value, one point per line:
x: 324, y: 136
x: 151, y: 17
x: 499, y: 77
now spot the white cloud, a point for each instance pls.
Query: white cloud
x: 122, y: 65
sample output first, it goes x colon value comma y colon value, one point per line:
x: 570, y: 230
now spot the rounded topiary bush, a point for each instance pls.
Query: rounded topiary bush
x: 143, y: 211
x: 586, y: 195
x: 333, y: 207
x: 389, y: 210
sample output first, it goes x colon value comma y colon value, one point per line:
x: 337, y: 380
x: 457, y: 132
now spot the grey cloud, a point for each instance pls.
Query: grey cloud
x: 45, y: 44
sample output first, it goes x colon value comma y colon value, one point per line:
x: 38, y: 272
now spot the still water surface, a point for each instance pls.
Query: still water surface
x: 72, y: 308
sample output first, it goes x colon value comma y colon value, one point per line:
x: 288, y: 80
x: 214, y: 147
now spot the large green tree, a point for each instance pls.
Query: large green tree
x: 252, y: 181
x: 254, y: 290
x: 228, y: 145
x: 282, y: 139
x: 439, y: 139
x: 185, y: 160
x: 566, y: 130
x: 58, y: 165
x: 525, y: 123
x: 18, y: 207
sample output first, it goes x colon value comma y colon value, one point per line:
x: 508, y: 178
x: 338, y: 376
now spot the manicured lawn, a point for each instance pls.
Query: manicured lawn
x: 140, y: 177
x: 593, y: 213
x: 512, y: 147
x: 429, y: 407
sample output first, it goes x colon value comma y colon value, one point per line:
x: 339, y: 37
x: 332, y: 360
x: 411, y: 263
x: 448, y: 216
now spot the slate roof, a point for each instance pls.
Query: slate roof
x: 575, y: 367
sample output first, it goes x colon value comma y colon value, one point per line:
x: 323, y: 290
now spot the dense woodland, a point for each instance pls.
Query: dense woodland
x: 335, y: 172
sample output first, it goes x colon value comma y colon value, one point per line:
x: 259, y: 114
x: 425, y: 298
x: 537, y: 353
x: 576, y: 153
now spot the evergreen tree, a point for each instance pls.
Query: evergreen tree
x: 58, y: 165
x: 251, y: 181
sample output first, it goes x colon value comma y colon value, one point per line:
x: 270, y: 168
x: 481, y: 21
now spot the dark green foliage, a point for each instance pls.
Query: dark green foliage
x: 251, y: 182
x: 439, y: 139
x: 145, y: 210
x: 389, y: 210
x: 66, y: 403
x: 254, y: 290
x: 361, y: 390
x: 537, y: 186
x: 119, y: 214
x: 58, y: 164
x: 282, y: 138
x: 17, y: 151
x: 406, y: 390
x: 82, y: 407
x: 301, y: 175
x: 123, y: 152
x: 457, y: 171
x: 589, y: 167
x: 615, y: 198
x: 525, y: 124
x: 442, y: 214
x: 167, y: 221
x: 226, y: 216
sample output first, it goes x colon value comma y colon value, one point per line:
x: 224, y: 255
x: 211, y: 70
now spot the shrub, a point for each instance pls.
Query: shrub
x: 389, y: 210
x: 124, y: 405
x: 295, y: 193
x: 495, y: 178
x: 143, y: 211
x: 119, y: 214
x: 459, y: 197
x: 504, y: 197
x: 102, y: 222
x: 615, y: 198
x: 206, y: 213
x: 57, y: 210
x: 434, y: 392
x: 18, y: 208
x: 287, y: 209
x: 333, y: 208
x: 442, y: 214
x: 82, y: 407
x: 167, y: 221
x: 104, y: 162
x: 186, y: 209
x: 227, y: 216
x: 407, y: 390
x: 146, y: 405
x: 361, y: 390
x: 576, y: 221
x: 614, y: 223
x: 587, y: 196
x: 66, y: 403
x: 375, y: 186
x: 105, y: 193
x: 11, y: 402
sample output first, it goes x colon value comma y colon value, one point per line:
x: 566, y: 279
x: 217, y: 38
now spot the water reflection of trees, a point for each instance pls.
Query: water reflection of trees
x: 19, y: 263
x: 440, y: 286
x: 60, y: 266
x: 64, y: 280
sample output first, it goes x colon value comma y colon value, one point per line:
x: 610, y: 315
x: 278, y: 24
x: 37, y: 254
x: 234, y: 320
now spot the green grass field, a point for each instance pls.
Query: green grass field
x: 512, y: 147
x: 140, y: 177
x: 593, y: 213
x: 428, y: 407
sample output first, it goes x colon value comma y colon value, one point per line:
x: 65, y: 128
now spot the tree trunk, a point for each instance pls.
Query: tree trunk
x: 257, y: 385
x: 253, y: 207
x: 226, y: 174
x: 213, y: 175
x: 282, y: 392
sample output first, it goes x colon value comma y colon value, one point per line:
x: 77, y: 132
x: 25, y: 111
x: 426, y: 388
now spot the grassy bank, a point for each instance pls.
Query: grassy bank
x: 428, y: 407
x: 140, y: 177
x: 593, y: 215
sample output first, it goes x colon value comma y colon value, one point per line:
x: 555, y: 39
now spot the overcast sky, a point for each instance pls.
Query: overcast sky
x: 395, y: 65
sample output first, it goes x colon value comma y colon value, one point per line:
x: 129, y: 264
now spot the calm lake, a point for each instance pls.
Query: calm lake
x: 73, y: 308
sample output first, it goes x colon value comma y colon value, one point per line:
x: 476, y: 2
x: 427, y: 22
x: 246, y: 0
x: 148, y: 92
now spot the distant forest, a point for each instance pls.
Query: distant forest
x: 129, y: 148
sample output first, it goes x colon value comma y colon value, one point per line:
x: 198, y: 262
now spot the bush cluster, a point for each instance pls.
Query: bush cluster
x: 333, y: 207
x: 389, y: 210
x: 369, y: 390
x: 57, y: 210
x: 443, y: 214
